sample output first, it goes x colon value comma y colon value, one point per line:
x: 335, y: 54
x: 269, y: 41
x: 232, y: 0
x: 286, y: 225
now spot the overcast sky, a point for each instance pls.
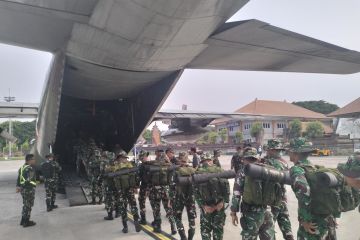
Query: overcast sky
x: 333, y: 21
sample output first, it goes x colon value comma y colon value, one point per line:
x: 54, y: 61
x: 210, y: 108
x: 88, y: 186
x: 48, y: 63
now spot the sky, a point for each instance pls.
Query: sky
x: 24, y: 70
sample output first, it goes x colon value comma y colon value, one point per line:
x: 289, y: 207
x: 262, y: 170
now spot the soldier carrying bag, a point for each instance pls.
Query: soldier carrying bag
x: 125, y: 177
x: 47, y: 170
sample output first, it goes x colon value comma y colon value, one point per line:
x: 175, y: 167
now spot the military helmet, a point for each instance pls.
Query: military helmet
x: 205, y: 157
x: 301, y: 145
x: 183, y: 157
x: 352, y: 167
x: 275, y: 144
x: 250, y: 153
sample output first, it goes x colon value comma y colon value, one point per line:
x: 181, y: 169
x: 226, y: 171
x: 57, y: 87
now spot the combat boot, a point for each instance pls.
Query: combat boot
x: 143, y: 219
x: 137, y: 224
x: 191, y: 233
x: 53, y: 206
x: 182, y: 234
x: 173, y: 229
x: 109, y: 216
x: 157, y: 228
x: 28, y: 223
x: 125, y: 229
x: 48, y: 207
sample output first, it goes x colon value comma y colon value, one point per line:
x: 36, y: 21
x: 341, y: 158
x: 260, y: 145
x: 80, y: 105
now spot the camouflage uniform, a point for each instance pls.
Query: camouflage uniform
x: 160, y: 194
x: 144, y: 189
x: 236, y: 162
x: 51, y: 184
x: 280, y: 213
x: 211, y: 224
x: 351, y: 170
x: 216, y: 160
x: 325, y: 225
x: 183, y: 198
x: 26, y: 181
x: 112, y: 198
x: 255, y: 219
x: 95, y: 177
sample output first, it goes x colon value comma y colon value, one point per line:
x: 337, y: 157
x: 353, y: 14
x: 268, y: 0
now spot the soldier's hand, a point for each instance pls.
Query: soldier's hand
x: 309, y: 227
x: 18, y: 189
x: 234, y: 218
x: 219, y: 206
x: 208, y: 209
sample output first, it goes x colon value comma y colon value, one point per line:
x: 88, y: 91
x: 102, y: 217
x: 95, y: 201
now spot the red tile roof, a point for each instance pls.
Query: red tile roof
x: 352, y: 109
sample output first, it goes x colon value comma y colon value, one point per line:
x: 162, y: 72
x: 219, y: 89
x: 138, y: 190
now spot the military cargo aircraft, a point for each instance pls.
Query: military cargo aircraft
x: 115, y: 62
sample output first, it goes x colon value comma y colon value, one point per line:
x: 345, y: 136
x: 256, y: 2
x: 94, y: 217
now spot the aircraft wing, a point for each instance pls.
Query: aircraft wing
x: 257, y: 46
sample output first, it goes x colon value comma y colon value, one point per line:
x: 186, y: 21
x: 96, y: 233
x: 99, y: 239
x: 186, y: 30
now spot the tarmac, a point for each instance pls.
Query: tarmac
x: 86, y: 222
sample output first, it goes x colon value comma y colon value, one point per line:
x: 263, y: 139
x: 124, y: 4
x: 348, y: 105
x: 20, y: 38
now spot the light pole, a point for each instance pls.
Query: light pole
x: 10, y: 99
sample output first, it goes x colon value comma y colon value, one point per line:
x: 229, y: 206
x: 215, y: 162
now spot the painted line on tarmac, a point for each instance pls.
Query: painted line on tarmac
x: 148, y: 229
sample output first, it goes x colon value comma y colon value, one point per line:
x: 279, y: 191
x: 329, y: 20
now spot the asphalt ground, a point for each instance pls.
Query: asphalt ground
x: 86, y: 222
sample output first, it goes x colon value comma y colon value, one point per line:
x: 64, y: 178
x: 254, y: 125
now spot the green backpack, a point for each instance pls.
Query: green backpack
x: 126, y: 181
x: 158, y: 174
x: 216, y: 189
x: 260, y: 192
x: 327, y: 200
x: 185, y: 189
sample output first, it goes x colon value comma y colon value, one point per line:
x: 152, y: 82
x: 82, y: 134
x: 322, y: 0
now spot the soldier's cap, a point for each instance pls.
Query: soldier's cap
x: 352, y: 167
x: 169, y: 150
x: 122, y: 154
x: 250, y: 153
x: 183, y: 157
x: 206, y: 156
x: 275, y: 144
x: 300, y: 145
x: 50, y: 155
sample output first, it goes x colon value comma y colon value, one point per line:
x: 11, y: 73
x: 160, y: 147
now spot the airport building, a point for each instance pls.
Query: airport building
x: 275, y: 117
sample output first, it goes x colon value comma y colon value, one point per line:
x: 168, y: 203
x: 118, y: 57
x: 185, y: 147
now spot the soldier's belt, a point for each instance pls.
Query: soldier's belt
x: 205, y: 177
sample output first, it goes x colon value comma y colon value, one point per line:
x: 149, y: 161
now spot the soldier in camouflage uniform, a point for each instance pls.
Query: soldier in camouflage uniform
x: 351, y: 170
x: 312, y: 227
x: 280, y: 213
x: 127, y: 195
x: 26, y: 184
x: 95, y: 177
x: 236, y: 160
x: 51, y: 182
x: 144, y: 189
x: 160, y: 194
x: 111, y: 194
x: 183, y: 197
x: 212, y: 212
x: 255, y: 219
x: 217, y: 154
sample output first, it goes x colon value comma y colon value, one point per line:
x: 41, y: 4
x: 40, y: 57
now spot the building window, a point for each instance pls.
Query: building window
x: 231, y: 129
x: 247, y: 126
x: 266, y: 125
x: 281, y: 125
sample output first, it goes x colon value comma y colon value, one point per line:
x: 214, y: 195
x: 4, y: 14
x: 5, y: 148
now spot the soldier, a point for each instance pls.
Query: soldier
x: 111, y: 194
x: 126, y: 184
x: 26, y: 184
x: 255, y: 219
x: 280, y: 213
x: 95, y: 178
x: 195, y: 159
x: 50, y: 170
x: 236, y: 161
x: 211, y: 198
x: 144, y: 189
x: 312, y: 226
x: 171, y: 155
x: 160, y: 193
x: 351, y: 170
x: 183, y: 196
x: 217, y: 153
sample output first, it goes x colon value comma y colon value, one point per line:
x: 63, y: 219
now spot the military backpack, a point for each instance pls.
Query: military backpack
x: 186, y: 171
x: 48, y: 170
x: 157, y: 173
x: 126, y: 179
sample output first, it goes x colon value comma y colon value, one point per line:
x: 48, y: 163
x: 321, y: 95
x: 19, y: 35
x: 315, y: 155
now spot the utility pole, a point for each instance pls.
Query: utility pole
x: 10, y: 99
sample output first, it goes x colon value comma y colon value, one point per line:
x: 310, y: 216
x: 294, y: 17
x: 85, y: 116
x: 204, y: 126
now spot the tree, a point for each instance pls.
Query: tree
x: 239, y: 137
x: 223, y: 133
x: 23, y: 131
x: 295, y: 128
x: 318, y: 106
x: 314, y: 129
x: 14, y: 148
x: 256, y: 131
x: 25, y: 147
x: 147, y: 136
x: 212, y: 136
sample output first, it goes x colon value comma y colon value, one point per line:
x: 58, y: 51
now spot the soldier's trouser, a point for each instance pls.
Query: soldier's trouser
x: 96, y: 188
x: 156, y: 196
x: 325, y: 229
x: 212, y: 224
x: 112, y: 199
x: 50, y: 189
x: 256, y: 221
x: 281, y: 216
x: 128, y: 197
x: 28, y: 196
x: 142, y: 200
x: 179, y: 204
